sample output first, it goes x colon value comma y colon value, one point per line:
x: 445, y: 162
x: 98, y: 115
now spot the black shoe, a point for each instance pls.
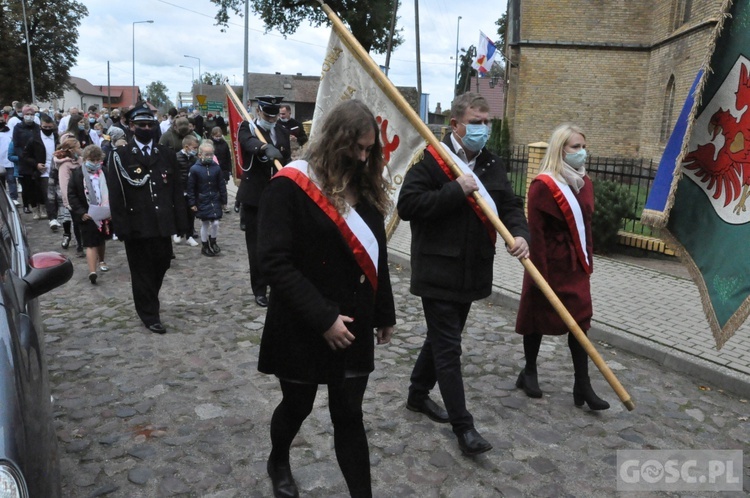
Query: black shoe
x: 582, y: 391
x: 92, y: 277
x: 65, y: 241
x: 471, y: 443
x: 528, y: 382
x: 242, y: 227
x: 207, y: 251
x: 261, y: 301
x: 433, y: 411
x: 80, y: 253
x: 26, y: 210
x: 282, y: 481
x: 157, y: 328
x: 213, y: 245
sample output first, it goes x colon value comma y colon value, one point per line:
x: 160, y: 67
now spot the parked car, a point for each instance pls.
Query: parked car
x: 29, y: 460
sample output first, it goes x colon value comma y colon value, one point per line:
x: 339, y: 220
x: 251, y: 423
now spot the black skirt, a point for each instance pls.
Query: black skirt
x: 91, y: 236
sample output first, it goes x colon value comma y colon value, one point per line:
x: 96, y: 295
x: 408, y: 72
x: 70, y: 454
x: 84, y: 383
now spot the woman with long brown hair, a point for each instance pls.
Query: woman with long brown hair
x: 322, y: 247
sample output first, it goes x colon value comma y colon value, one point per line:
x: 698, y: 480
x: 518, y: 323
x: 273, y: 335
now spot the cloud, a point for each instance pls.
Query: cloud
x: 181, y: 28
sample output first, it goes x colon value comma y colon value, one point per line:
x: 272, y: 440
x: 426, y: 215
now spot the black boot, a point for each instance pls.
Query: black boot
x: 282, y: 480
x: 214, y: 246
x: 582, y: 391
x: 207, y: 251
x: 528, y: 382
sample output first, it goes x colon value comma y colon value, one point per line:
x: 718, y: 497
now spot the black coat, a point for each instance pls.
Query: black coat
x: 314, y: 277
x: 451, y: 250
x: 207, y: 191
x: 259, y: 169
x: 223, y: 154
x: 22, y: 135
x: 296, y: 129
x: 79, y: 204
x: 34, y: 153
x: 155, y: 209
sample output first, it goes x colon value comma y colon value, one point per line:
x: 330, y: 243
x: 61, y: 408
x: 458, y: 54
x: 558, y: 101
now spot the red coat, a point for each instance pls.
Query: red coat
x: 553, y: 253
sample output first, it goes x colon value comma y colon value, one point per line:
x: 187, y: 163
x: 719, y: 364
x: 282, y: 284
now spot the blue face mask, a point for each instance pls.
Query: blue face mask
x: 576, y: 159
x: 91, y: 167
x: 476, y: 136
x: 81, y: 127
x: 266, y: 125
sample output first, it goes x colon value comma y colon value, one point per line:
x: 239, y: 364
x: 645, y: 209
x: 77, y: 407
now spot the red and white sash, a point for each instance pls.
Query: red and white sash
x: 353, y: 228
x: 491, y: 231
x: 572, y: 213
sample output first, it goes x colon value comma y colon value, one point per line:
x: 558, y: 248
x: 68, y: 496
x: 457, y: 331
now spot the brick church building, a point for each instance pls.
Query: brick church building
x: 621, y: 69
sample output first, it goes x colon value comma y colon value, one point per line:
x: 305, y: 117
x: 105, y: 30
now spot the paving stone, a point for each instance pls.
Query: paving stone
x: 140, y: 475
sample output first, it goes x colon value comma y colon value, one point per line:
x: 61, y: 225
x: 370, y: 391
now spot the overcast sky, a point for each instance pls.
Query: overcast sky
x: 187, y: 28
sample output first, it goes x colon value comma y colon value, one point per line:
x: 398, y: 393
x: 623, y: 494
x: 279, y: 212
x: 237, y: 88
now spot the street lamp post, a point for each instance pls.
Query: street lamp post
x: 134, y: 23
x: 200, y: 79
x: 192, y: 79
x: 455, y: 74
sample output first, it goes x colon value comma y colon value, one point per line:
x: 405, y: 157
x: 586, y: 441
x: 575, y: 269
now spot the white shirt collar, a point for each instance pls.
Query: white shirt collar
x: 461, y: 153
x: 141, y: 145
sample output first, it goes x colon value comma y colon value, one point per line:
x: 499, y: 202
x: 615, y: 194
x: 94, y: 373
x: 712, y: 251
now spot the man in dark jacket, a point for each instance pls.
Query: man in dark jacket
x: 23, y: 133
x: 258, y: 161
x: 452, y: 253
x: 147, y: 205
x: 174, y: 135
x: 296, y: 130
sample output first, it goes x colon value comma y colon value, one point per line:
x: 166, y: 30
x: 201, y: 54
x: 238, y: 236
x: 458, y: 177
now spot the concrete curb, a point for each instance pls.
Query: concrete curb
x: 707, y: 372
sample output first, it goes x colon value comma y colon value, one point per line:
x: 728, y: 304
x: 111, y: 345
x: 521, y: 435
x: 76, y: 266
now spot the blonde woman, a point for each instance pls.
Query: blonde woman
x: 560, y: 205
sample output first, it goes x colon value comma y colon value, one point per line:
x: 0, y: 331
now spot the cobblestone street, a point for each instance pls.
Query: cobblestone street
x: 187, y: 414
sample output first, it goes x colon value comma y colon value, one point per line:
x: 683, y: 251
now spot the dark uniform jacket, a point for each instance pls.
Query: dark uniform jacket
x: 451, y: 249
x: 295, y: 128
x: 552, y: 251
x: 314, y: 277
x: 154, y: 209
x: 259, y: 168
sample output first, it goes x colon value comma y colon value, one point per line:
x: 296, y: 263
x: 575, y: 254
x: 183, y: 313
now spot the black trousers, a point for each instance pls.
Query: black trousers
x: 30, y: 191
x: 257, y: 282
x: 349, y: 438
x: 148, y: 260
x: 439, y: 361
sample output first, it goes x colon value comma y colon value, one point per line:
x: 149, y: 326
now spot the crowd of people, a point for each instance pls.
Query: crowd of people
x: 316, y: 244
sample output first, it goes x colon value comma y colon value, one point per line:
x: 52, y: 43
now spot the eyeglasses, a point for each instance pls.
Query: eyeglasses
x: 144, y: 124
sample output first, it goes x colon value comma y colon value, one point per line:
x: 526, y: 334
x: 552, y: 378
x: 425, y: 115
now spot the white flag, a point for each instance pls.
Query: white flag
x: 485, y: 55
x: 342, y: 78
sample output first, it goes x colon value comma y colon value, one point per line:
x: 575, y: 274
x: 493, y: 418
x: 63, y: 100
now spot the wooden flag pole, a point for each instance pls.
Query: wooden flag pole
x: 246, y: 115
x: 390, y: 90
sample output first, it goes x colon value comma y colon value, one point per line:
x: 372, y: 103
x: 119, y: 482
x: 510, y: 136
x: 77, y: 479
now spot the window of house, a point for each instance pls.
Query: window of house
x: 681, y: 12
x: 667, y: 111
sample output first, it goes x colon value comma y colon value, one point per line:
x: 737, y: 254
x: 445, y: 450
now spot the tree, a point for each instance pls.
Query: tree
x: 368, y: 20
x: 156, y: 93
x: 502, y: 29
x: 213, y: 79
x: 53, y: 35
x: 465, y: 71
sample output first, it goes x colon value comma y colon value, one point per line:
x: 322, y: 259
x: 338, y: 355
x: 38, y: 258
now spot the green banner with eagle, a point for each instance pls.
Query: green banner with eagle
x: 701, y: 196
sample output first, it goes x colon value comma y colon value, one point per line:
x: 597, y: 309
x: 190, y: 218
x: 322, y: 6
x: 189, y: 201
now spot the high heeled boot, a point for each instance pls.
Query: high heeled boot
x: 582, y: 391
x: 527, y: 381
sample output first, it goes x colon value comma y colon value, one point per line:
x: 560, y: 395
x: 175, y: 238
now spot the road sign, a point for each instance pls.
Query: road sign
x: 201, y: 99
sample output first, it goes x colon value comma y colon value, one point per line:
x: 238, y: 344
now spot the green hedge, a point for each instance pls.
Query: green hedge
x: 612, y: 203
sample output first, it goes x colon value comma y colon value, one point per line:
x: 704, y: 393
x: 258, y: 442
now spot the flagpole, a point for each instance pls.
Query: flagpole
x: 247, y: 117
x: 392, y: 93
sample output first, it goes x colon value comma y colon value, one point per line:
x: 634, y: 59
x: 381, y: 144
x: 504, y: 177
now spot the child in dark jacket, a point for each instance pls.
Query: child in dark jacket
x: 207, y: 193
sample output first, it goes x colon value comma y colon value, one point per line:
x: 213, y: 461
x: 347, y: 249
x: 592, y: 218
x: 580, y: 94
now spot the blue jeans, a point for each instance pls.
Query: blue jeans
x: 10, y: 181
x: 439, y: 360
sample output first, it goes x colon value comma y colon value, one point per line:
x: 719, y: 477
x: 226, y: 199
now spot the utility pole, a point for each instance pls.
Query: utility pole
x: 419, y: 63
x: 28, y: 51
x: 109, y: 91
x: 245, y: 96
x: 390, y: 38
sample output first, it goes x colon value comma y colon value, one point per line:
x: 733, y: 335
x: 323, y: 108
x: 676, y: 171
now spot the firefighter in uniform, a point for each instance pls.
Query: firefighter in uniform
x: 147, y: 205
x: 258, y: 165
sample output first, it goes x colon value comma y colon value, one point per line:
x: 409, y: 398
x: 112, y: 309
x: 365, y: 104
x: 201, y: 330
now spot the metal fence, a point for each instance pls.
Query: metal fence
x: 636, y: 174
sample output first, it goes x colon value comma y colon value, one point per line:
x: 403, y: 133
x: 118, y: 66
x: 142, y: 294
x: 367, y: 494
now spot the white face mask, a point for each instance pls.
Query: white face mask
x: 576, y: 159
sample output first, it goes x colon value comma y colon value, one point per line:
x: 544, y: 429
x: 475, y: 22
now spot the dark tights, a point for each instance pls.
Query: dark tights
x: 350, y: 440
x: 532, y: 342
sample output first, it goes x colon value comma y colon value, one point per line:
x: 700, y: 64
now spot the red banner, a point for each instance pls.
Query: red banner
x: 235, y: 120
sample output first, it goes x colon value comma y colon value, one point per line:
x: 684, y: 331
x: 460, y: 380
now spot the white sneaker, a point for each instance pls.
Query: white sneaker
x: 191, y: 242
x: 54, y: 225
x: 17, y: 204
x: 114, y: 237
x: 176, y: 239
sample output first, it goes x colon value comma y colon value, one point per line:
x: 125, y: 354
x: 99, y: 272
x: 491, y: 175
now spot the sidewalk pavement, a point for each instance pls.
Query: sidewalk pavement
x: 643, y: 311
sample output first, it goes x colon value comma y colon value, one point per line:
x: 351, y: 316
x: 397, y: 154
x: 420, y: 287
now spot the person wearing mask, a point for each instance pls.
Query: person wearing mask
x: 560, y: 205
x: 67, y: 158
x: 223, y: 156
x: 37, y: 159
x: 9, y: 179
x: 258, y: 159
x: 105, y: 120
x: 331, y: 298
x: 23, y: 134
x: 186, y: 158
x: 206, y: 194
x: 452, y: 252
x: 297, y: 132
x: 63, y: 125
x: 147, y: 206
x: 88, y: 188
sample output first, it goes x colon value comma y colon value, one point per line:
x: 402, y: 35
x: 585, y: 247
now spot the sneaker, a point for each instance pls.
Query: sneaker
x: 16, y: 203
x: 27, y: 210
x: 92, y: 277
x: 176, y: 239
x: 54, y: 225
x: 65, y: 241
x: 114, y: 236
x: 35, y: 214
x: 103, y: 266
x: 43, y: 215
x: 226, y: 209
x: 191, y: 242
